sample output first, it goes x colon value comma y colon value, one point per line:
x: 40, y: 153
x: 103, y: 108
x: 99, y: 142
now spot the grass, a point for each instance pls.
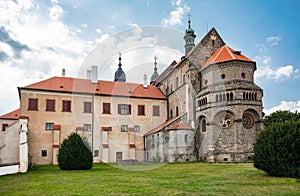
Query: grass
x: 169, y: 179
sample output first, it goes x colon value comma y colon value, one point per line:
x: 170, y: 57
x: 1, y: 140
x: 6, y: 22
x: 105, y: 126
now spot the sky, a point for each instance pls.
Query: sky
x: 38, y: 38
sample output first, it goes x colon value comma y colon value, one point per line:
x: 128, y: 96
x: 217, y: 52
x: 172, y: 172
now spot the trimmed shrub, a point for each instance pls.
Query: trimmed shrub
x: 277, y: 149
x: 74, y: 154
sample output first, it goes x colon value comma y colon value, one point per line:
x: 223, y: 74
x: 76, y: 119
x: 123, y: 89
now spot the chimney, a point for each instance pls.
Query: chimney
x: 88, y: 74
x: 94, y: 74
x: 63, y: 73
x: 145, y: 81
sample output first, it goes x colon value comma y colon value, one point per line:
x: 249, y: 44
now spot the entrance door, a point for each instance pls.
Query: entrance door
x: 118, y: 156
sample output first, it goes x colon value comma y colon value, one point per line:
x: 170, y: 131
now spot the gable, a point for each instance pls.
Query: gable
x: 205, y: 48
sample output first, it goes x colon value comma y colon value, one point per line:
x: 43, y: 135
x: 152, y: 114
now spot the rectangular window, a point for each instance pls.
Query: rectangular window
x: 87, y: 127
x: 124, y: 128
x: 96, y: 153
x: 141, y: 110
x: 44, y: 153
x: 136, y: 128
x: 66, y: 107
x: 49, y: 126
x: 106, y: 108
x: 33, y: 104
x: 155, y: 110
x: 50, y: 105
x: 124, y: 109
x: 4, y: 125
x: 87, y: 107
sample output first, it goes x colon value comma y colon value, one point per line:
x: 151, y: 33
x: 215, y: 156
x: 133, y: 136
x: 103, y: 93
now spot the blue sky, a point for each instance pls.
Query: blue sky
x: 39, y: 38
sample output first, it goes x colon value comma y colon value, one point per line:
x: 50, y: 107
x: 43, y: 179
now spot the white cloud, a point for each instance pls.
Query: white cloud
x: 52, y: 45
x: 274, y: 40
x: 176, y: 15
x: 56, y: 12
x: 262, y: 48
x: 284, y: 105
x: 84, y: 25
x: 99, y: 31
x: 280, y: 73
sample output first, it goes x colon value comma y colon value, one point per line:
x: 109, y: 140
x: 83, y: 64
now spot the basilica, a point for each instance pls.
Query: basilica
x: 202, y: 107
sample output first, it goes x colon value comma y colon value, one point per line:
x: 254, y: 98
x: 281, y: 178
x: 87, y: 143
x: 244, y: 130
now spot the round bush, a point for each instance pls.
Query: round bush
x: 74, y: 154
x: 277, y: 149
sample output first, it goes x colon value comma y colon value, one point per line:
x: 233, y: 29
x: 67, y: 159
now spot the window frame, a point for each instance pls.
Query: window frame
x: 154, y: 112
x: 124, y: 109
x: 50, y: 107
x: 49, y: 126
x: 106, y: 108
x: 66, y: 105
x: 87, y: 127
x: 124, y: 128
x: 44, y: 153
x: 137, y: 128
x: 87, y: 107
x: 4, y: 125
x: 141, y: 110
x: 33, y: 104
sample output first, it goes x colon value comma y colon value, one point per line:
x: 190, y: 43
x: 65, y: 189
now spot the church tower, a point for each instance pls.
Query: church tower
x: 189, y: 38
x: 155, y: 73
x: 119, y: 74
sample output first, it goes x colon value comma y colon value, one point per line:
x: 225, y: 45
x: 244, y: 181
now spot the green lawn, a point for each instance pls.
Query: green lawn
x: 169, y: 179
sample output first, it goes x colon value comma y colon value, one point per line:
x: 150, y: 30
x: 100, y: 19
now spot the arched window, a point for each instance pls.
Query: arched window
x: 217, y: 98
x: 186, y: 138
x: 255, y: 97
x: 244, y: 95
x: 220, y: 97
x: 177, y: 83
x: 224, y: 98
x: 227, y: 96
x: 231, y: 96
x: 171, y: 113
x: 183, y: 78
x: 177, y: 111
x: 203, y: 125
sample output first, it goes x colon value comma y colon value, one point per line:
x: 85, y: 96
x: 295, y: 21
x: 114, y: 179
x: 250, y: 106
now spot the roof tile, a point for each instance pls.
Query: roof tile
x: 223, y: 54
x: 66, y: 84
x: 14, y: 115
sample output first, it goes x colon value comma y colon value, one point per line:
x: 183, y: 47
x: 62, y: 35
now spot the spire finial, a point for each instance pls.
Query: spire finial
x: 189, y: 15
x: 120, y: 64
x: 155, y: 63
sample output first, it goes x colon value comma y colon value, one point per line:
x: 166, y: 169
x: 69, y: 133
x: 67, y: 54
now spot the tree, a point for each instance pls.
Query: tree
x: 281, y: 117
x: 277, y: 147
x: 74, y: 153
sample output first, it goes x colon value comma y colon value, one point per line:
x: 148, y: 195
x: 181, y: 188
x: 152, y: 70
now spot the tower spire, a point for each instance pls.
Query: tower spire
x: 119, y: 74
x: 189, y: 37
x: 155, y: 73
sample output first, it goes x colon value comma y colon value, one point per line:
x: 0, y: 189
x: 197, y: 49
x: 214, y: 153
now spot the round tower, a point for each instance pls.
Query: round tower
x: 189, y: 38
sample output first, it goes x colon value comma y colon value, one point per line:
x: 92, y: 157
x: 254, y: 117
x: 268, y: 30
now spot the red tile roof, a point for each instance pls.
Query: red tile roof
x: 160, y: 127
x: 180, y: 125
x: 225, y: 53
x: 14, y: 115
x: 66, y: 84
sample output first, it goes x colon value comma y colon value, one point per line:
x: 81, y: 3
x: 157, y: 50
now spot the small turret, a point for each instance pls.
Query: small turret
x: 189, y: 38
x: 119, y: 74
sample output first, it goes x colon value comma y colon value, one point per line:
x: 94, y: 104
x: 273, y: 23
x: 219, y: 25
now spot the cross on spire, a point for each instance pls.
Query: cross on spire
x: 189, y: 15
x: 120, y: 59
x: 155, y: 63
